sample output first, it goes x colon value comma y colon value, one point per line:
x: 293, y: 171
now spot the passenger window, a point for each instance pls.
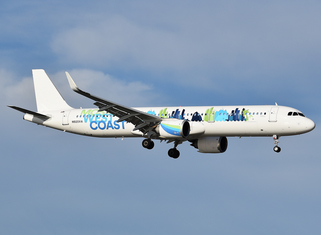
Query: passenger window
x: 289, y: 113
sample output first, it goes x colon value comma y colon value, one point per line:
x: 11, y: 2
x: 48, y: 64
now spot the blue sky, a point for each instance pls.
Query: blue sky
x: 160, y: 53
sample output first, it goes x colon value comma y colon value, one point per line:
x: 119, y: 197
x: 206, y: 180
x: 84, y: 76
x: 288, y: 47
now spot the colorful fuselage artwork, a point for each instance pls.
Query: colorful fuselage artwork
x: 210, y: 115
x: 102, y: 120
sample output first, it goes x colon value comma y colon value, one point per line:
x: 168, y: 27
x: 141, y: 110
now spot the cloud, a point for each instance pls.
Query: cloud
x: 108, y: 87
x: 210, y: 45
x: 117, y: 40
x: 213, y: 46
x: 204, y: 37
x: 15, y: 90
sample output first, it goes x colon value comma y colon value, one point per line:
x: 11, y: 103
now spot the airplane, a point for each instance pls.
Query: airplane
x: 205, y: 127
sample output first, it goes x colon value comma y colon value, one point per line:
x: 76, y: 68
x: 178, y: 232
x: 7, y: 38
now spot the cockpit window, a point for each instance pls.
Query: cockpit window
x: 295, y: 114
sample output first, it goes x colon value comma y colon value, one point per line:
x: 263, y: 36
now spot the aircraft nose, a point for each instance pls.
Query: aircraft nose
x: 309, y: 124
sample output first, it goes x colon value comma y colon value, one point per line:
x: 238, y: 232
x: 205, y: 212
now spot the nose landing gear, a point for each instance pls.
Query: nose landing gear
x: 276, y: 148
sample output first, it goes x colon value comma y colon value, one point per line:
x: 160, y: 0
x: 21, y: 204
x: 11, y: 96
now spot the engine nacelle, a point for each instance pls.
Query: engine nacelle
x: 173, y: 128
x: 211, y: 144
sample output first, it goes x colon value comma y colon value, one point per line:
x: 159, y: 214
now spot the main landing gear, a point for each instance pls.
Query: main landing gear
x: 173, y: 152
x: 148, y: 143
x: 276, y: 148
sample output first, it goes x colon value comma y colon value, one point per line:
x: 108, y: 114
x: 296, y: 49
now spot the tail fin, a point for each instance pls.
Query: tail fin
x: 48, y: 97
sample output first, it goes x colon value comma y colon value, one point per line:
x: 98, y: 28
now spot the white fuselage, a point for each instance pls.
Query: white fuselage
x: 237, y: 120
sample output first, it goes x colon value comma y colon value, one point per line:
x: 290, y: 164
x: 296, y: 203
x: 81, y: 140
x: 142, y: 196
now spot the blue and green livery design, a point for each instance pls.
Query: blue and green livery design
x: 171, y: 129
x: 210, y: 115
x: 101, y: 120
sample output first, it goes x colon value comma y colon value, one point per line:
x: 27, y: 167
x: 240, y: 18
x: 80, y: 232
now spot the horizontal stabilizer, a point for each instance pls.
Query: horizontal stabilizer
x: 38, y: 115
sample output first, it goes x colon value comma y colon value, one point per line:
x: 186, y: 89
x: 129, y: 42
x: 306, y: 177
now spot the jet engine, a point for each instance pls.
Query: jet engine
x: 173, y: 128
x: 211, y: 144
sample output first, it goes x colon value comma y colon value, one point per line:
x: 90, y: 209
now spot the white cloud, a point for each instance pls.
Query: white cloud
x: 16, y: 91
x: 204, y: 37
x: 211, y: 45
x: 20, y: 92
x: 105, y: 86
x: 117, y: 40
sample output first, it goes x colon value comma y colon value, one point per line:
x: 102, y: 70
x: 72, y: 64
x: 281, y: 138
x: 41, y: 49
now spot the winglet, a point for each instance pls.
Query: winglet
x: 72, y: 84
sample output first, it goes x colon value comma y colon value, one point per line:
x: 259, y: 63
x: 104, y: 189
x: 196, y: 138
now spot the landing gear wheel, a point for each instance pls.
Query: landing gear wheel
x: 277, y: 149
x: 148, y: 143
x: 174, y: 153
x: 151, y: 145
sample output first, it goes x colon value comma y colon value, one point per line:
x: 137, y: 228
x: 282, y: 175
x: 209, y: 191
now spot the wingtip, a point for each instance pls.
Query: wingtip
x: 72, y: 84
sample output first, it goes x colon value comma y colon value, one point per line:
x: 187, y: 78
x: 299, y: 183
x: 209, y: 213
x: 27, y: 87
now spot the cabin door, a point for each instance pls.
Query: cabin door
x: 65, y: 116
x: 273, y: 114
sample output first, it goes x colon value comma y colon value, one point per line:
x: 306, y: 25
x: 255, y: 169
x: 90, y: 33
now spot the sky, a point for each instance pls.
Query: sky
x: 160, y: 53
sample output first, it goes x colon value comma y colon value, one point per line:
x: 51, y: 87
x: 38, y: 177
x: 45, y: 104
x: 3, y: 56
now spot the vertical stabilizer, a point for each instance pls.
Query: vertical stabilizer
x: 48, y: 97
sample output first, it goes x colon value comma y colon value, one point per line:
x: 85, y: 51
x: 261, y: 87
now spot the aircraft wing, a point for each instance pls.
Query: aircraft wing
x: 141, y: 120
